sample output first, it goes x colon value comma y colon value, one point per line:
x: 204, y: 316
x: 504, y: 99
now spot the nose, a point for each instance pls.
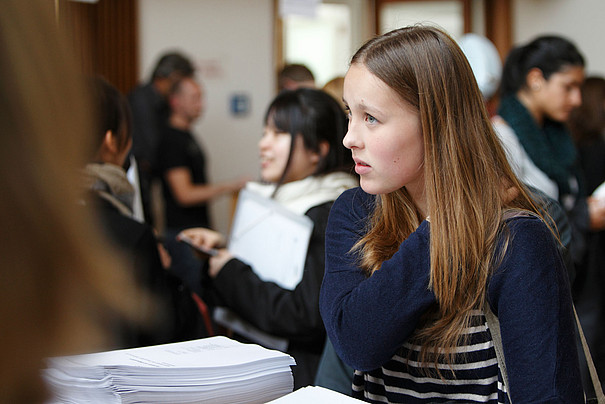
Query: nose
x: 351, y: 139
x: 264, y: 142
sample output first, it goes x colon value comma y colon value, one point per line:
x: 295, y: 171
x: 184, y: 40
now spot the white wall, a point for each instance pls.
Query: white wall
x: 579, y: 20
x: 231, y: 43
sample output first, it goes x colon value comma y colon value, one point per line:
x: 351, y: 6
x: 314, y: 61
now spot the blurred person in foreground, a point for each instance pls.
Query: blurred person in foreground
x: 59, y: 280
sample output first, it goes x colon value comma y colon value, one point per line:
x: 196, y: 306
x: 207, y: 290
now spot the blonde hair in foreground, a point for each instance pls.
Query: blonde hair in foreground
x: 468, y: 179
x: 58, y: 280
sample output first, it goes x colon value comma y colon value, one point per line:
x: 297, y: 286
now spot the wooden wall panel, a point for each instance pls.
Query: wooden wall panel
x: 104, y: 38
x: 498, y: 24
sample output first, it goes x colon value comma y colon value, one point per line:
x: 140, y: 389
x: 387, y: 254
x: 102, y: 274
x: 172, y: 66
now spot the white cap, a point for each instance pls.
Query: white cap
x: 484, y: 60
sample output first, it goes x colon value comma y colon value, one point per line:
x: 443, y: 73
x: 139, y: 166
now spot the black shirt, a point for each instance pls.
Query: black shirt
x: 179, y: 149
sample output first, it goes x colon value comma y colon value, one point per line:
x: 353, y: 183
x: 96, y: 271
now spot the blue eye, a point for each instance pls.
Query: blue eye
x: 371, y: 119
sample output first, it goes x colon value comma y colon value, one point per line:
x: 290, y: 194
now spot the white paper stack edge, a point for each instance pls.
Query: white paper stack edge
x: 216, y: 369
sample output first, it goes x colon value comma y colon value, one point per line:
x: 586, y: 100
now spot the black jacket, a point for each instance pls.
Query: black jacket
x: 174, y: 314
x: 291, y: 314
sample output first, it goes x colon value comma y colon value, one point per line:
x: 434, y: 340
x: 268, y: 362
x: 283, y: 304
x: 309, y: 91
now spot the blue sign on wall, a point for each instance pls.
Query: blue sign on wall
x: 240, y: 104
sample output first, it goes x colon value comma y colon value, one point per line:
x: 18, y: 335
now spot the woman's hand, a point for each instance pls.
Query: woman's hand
x: 203, y: 241
x: 202, y: 237
x: 208, y: 239
x: 217, y: 262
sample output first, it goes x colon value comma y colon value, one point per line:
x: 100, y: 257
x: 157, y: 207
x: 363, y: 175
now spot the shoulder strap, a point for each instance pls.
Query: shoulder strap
x: 494, y: 326
x: 494, y: 329
x: 593, y: 371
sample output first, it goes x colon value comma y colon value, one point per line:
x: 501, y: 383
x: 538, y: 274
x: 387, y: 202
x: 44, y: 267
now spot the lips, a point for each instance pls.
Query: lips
x: 360, y: 162
x: 264, y: 161
x: 361, y: 167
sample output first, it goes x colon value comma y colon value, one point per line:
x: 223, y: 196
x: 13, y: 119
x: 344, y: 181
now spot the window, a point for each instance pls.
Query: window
x: 448, y: 15
x: 322, y: 43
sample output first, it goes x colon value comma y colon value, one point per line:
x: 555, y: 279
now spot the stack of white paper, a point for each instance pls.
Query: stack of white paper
x: 216, y: 370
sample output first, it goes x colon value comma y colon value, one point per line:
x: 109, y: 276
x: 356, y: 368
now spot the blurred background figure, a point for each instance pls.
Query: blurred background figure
x: 173, y: 316
x: 150, y: 110
x: 486, y: 64
x: 182, y: 166
x: 60, y: 281
x: 487, y: 68
x: 541, y: 86
x: 334, y: 88
x: 293, y: 76
x: 587, y: 124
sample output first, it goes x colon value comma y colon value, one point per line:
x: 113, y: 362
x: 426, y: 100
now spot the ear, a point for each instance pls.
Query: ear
x: 110, y: 142
x: 324, y: 149
x: 172, y: 101
x: 535, y: 79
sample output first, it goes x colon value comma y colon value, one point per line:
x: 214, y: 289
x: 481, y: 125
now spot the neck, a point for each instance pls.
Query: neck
x: 529, y: 103
x: 180, y: 122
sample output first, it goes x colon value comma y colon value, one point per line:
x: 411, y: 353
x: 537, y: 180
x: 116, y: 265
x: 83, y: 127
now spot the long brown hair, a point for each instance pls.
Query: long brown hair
x: 467, y: 178
x: 59, y: 280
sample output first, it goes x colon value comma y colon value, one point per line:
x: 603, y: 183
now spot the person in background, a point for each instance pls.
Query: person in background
x: 440, y: 234
x: 173, y: 316
x: 587, y: 126
x: 150, y: 110
x: 334, y: 88
x: 486, y: 64
x: 485, y: 61
x: 304, y: 167
x: 293, y: 76
x: 187, y: 191
x: 60, y: 279
x: 540, y: 86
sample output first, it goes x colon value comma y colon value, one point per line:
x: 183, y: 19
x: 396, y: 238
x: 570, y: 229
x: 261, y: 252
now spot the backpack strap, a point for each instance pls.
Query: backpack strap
x: 494, y: 327
x: 593, y: 371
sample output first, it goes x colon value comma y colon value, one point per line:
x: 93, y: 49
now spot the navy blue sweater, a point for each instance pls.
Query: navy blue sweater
x: 368, y: 319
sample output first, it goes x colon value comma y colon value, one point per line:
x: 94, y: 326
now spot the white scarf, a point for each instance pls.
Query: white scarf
x: 300, y: 196
x: 110, y: 183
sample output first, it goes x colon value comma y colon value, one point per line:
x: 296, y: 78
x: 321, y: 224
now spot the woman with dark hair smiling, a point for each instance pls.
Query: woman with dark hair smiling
x: 304, y: 167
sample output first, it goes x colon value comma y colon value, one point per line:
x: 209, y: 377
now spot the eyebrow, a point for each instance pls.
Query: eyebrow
x: 368, y: 108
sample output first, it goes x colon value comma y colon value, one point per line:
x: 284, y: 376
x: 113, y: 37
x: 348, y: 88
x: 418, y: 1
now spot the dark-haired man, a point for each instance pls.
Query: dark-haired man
x: 149, y: 104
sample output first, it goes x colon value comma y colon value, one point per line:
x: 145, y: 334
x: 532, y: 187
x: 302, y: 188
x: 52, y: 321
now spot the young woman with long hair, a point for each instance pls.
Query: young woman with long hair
x: 440, y: 232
